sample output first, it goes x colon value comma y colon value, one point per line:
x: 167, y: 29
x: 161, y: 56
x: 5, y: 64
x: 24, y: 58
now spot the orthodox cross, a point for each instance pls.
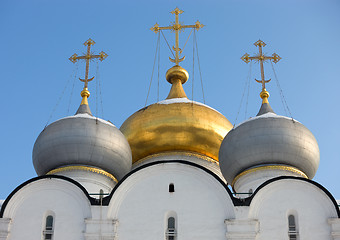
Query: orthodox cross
x: 177, y: 27
x: 261, y: 58
x: 89, y: 56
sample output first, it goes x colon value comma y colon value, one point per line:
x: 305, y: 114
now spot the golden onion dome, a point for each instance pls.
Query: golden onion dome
x: 176, y: 124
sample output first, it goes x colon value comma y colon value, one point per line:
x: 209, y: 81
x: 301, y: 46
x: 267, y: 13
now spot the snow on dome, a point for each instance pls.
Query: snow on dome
x: 266, y: 115
x: 85, y: 115
x: 184, y: 100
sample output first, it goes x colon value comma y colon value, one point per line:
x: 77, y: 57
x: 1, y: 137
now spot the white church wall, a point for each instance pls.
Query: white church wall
x: 99, y: 226
x: 241, y: 227
x: 196, y: 158
x: 4, y: 228
x: 142, y: 204
x: 249, y: 182
x: 93, y: 182
x: 311, y: 207
x: 29, y: 207
x: 335, y: 226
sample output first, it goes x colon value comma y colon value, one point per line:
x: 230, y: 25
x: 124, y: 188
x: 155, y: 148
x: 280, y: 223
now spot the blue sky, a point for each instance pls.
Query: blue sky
x: 39, y: 36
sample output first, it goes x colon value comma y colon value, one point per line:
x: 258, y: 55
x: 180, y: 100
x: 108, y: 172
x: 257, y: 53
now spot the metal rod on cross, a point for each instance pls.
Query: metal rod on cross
x: 260, y: 57
x: 88, y: 57
x: 177, y: 27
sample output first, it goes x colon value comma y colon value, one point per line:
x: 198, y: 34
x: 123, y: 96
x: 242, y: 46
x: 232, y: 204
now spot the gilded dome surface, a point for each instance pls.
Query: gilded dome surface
x: 268, y: 139
x: 82, y: 140
x: 175, y: 124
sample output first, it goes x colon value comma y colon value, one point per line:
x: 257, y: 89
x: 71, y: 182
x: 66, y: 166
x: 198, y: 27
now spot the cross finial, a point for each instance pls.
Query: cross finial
x: 177, y: 27
x: 260, y: 57
x: 89, y: 56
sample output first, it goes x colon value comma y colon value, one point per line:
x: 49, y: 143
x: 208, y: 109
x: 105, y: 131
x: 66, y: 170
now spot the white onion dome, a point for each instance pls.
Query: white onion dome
x: 269, y: 140
x: 82, y: 140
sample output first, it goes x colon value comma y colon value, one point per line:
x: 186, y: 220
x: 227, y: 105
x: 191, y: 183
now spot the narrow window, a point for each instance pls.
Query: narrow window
x: 171, y: 231
x: 48, y: 231
x: 292, y: 229
x: 171, y: 187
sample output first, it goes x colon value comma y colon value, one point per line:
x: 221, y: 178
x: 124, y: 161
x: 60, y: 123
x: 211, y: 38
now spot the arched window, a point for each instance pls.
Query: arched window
x: 171, y: 230
x: 171, y: 187
x: 48, y: 230
x: 292, y: 229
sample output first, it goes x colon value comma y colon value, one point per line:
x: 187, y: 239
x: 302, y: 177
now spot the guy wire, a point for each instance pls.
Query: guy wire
x: 74, y: 81
x: 193, y: 68
x: 283, y: 99
x: 61, y: 96
x: 244, y: 90
x: 199, y: 66
x: 168, y: 44
x: 153, y: 68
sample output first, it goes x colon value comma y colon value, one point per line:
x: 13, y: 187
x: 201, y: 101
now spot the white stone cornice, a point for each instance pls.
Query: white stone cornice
x: 335, y: 226
x: 242, y: 229
x: 100, y: 228
x: 5, y: 224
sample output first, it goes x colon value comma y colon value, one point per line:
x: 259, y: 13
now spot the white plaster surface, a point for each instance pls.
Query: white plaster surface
x: 92, y: 182
x: 142, y: 203
x: 29, y: 207
x: 211, y: 165
x: 251, y: 181
x: 310, y: 205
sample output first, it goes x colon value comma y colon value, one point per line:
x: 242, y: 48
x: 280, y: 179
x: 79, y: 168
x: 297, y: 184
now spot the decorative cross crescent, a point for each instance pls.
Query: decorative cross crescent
x: 176, y: 27
x: 89, y: 56
x: 261, y: 58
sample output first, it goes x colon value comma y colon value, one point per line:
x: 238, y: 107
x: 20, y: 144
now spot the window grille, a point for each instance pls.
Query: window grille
x: 171, y: 230
x: 48, y: 231
x: 292, y: 229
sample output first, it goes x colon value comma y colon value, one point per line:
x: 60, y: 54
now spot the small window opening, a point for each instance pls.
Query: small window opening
x: 48, y: 232
x: 171, y: 231
x: 292, y: 230
x: 171, y: 187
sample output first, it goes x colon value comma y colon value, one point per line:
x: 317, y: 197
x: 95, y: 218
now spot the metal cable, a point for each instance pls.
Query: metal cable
x: 60, y: 97
x: 74, y: 81
x: 99, y: 88
x: 249, y: 76
x: 193, y: 68
x: 283, y: 99
x: 199, y: 66
x: 100, y: 93
x: 244, y: 90
x: 167, y: 44
x: 159, y: 57
x: 97, y: 76
x: 187, y: 39
x: 153, y: 68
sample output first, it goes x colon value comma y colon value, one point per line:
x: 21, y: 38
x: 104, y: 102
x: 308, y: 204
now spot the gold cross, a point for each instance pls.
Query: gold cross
x: 89, y: 56
x: 261, y: 58
x: 176, y: 27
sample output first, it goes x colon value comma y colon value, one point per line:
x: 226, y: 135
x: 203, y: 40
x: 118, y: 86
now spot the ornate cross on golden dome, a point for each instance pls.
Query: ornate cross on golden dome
x: 261, y: 58
x: 89, y: 56
x: 177, y: 27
